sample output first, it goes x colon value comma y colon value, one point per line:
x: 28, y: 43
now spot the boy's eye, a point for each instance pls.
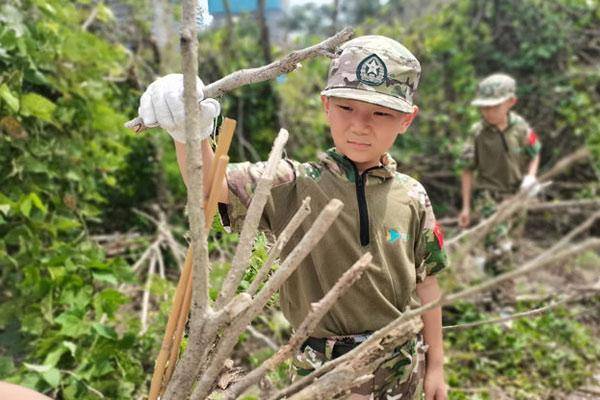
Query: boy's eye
x: 382, y: 114
x: 345, y: 108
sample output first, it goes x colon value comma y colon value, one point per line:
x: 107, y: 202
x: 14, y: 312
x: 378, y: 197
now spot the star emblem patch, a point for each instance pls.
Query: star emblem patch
x: 371, y: 71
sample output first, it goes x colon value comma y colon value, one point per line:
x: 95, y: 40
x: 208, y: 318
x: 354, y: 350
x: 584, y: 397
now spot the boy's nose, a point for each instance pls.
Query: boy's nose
x: 361, y: 123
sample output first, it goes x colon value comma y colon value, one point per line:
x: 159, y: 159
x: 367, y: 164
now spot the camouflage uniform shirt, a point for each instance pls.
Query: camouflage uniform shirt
x: 500, y: 157
x: 385, y: 212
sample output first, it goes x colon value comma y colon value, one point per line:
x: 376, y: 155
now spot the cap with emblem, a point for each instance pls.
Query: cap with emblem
x: 494, y: 90
x: 377, y: 70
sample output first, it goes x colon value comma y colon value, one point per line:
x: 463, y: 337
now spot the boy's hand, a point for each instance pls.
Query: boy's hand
x: 464, y: 218
x: 162, y: 105
x: 531, y: 185
x: 434, y: 385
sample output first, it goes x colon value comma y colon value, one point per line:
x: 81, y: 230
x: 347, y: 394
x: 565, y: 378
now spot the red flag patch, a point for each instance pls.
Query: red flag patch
x: 532, y: 138
x: 439, y: 234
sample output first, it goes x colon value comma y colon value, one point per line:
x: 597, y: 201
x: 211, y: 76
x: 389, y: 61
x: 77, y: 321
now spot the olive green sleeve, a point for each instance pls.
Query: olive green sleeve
x: 468, y: 157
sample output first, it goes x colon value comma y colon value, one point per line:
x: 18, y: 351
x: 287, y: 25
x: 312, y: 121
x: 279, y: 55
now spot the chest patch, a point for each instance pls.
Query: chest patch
x: 393, y: 235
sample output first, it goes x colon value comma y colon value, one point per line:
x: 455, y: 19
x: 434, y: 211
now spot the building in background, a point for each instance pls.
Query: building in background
x: 275, y: 11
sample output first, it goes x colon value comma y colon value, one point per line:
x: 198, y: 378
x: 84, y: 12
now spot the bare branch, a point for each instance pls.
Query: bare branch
x: 408, y: 316
x: 559, y: 205
x: 555, y: 303
x: 271, y: 71
x: 308, y: 325
x: 253, y: 216
x: 230, y: 335
x: 262, y: 337
x: 282, y: 240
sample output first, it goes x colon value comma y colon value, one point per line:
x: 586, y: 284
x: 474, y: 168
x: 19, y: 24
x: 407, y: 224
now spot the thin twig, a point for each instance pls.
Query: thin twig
x: 282, y: 240
x: 146, y: 296
x: 555, y: 303
x: 253, y: 216
x: 262, y: 337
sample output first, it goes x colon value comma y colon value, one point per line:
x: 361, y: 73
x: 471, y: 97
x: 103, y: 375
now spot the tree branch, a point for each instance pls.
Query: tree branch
x: 305, y: 329
x: 271, y: 71
x: 253, y: 216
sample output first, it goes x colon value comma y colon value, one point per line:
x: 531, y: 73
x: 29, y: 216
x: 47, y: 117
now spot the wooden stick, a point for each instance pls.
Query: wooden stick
x: 218, y: 170
x: 223, y: 143
x: 215, y: 190
x: 166, y: 347
x: 178, y: 336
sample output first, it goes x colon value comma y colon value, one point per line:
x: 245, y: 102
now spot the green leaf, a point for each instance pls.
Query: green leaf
x: 4, y: 208
x: 37, y: 367
x: 9, y: 98
x: 72, y: 326
x: 33, y: 104
x: 54, y: 356
x: 72, y: 347
x: 105, y: 331
x: 38, y: 203
x: 6, y: 366
x: 107, y: 277
x: 25, y: 206
x: 52, y: 376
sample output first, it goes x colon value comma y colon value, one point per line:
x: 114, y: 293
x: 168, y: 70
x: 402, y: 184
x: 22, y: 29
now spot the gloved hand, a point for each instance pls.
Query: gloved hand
x: 162, y: 105
x: 531, y: 185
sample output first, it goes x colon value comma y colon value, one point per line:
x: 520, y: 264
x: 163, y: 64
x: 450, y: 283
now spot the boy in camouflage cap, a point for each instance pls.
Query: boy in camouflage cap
x: 368, y: 102
x: 503, y: 151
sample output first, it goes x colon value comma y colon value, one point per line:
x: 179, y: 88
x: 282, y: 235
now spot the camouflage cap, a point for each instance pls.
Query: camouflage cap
x: 494, y: 89
x: 377, y: 70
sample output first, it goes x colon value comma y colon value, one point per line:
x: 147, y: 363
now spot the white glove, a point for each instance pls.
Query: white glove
x: 162, y: 105
x: 531, y: 185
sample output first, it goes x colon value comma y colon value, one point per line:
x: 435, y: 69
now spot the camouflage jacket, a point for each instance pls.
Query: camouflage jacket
x: 385, y: 212
x: 500, y: 158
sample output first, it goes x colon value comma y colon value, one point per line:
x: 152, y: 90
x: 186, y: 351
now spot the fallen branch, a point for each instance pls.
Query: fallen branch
x: 405, y: 319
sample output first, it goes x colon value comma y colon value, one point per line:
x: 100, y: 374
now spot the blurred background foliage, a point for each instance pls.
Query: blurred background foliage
x: 71, y: 73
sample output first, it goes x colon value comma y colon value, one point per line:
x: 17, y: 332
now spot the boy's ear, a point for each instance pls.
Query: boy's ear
x: 325, y: 101
x: 409, y: 118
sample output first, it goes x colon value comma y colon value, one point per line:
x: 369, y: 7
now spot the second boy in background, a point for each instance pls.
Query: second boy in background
x: 502, y: 155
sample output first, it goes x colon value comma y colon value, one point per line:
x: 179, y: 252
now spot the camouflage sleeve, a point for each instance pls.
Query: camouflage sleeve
x: 468, y: 156
x: 430, y: 256
x: 242, y: 179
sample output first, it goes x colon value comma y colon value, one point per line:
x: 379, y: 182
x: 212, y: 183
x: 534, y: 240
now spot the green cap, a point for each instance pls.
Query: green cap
x: 377, y: 70
x: 494, y: 90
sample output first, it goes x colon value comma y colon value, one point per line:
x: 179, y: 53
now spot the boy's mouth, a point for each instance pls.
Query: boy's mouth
x: 358, y: 145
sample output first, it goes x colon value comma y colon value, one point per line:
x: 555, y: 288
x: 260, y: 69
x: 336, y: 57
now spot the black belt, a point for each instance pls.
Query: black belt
x: 341, y: 346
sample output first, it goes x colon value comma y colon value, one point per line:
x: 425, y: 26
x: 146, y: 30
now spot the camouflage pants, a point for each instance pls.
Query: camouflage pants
x: 400, y: 376
x: 500, y: 242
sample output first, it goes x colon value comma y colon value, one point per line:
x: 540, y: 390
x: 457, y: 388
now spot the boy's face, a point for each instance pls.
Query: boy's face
x: 497, y: 115
x: 363, y: 132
